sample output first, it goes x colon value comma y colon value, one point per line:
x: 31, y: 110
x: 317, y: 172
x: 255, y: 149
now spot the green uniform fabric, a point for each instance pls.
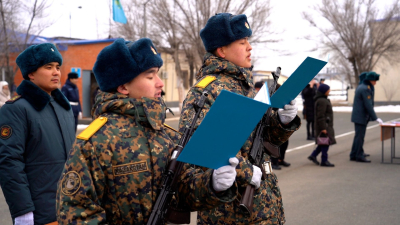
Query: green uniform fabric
x: 113, y: 176
x: 363, y: 104
x: 267, y: 208
x: 324, y: 116
x: 40, y: 132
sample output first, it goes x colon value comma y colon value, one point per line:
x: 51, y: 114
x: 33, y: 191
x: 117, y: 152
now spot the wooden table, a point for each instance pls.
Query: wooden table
x: 388, y: 132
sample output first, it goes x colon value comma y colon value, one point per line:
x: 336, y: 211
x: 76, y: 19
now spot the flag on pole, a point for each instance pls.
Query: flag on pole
x: 118, y: 12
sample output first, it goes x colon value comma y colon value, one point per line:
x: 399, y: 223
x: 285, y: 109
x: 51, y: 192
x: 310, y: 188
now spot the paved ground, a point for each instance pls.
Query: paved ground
x: 350, y: 193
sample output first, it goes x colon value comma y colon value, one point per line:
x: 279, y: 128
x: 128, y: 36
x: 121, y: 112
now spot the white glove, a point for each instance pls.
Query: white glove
x: 379, y: 120
x: 288, y: 113
x: 26, y: 219
x: 80, y: 115
x: 256, y: 179
x: 223, y: 177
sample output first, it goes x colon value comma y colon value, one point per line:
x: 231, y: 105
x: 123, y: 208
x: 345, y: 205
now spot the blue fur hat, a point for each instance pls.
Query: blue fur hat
x: 323, y: 88
x: 73, y: 75
x: 223, y: 29
x: 362, y: 77
x: 122, y: 61
x: 36, y: 56
x: 372, y: 76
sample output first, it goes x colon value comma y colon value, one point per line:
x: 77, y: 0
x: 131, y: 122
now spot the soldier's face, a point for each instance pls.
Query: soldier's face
x: 238, y: 52
x: 47, y: 77
x: 147, y: 84
x: 373, y: 82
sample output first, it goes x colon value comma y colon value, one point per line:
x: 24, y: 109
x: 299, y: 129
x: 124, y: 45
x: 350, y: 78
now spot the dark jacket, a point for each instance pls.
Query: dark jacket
x: 308, y: 95
x: 37, y: 131
x: 71, y: 92
x: 324, y: 116
x: 363, y: 105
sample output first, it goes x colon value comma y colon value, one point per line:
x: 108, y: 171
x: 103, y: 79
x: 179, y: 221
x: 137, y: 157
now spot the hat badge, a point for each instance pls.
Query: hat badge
x: 247, y: 25
x: 154, y: 51
x: 52, y: 49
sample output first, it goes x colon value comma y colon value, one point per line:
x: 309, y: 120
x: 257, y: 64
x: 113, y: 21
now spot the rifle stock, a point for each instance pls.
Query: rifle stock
x: 169, y: 183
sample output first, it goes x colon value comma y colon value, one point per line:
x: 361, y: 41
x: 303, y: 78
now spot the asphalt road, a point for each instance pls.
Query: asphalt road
x: 350, y: 193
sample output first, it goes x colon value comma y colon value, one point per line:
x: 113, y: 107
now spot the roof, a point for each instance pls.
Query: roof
x: 61, y: 43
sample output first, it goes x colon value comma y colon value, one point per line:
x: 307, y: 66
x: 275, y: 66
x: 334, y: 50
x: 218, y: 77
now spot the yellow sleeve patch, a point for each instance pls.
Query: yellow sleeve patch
x: 92, y: 128
x: 205, y: 81
x: 171, y: 128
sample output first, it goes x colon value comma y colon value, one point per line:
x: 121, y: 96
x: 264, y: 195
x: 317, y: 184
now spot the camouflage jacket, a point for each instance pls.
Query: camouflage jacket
x: 267, y: 207
x: 113, y: 176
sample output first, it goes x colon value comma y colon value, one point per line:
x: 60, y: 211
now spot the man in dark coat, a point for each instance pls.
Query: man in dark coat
x: 363, y: 112
x: 36, y: 134
x: 70, y: 90
x: 308, y: 94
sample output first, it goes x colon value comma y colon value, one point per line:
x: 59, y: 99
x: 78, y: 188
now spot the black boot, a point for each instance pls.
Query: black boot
x: 327, y: 164
x: 283, y: 163
x: 313, y: 159
x: 276, y: 166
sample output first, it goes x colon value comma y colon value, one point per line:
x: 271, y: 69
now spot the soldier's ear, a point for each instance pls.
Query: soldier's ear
x: 220, y: 52
x: 31, y: 76
x: 122, y: 89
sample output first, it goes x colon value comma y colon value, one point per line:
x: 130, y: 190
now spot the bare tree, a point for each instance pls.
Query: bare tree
x: 17, y: 33
x: 176, y: 26
x: 358, y: 34
x: 194, y: 15
x: 136, y: 26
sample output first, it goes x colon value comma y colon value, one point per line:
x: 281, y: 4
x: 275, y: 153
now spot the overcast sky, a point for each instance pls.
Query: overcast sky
x: 93, y: 19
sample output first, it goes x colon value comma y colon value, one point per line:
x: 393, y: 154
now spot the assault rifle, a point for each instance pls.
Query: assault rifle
x: 257, y: 150
x: 169, y: 183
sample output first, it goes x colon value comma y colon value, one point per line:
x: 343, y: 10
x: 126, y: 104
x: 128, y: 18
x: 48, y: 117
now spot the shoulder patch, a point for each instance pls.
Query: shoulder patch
x: 71, y: 183
x: 203, y: 83
x: 171, y: 128
x: 92, y: 128
x: 369, y: 96
x: 13, y: 99
x: 5, y: 132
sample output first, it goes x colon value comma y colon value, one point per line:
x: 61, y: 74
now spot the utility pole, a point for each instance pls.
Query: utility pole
x: 70, y: 19
x: 145, y: 19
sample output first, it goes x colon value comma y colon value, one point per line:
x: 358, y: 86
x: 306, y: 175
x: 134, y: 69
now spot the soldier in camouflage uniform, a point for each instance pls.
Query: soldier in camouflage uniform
x: 116, y: 164
x: 226, y: 66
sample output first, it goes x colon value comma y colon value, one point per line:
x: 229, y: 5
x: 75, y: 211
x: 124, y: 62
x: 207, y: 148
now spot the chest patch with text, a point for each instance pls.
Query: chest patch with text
x: 130, y: 168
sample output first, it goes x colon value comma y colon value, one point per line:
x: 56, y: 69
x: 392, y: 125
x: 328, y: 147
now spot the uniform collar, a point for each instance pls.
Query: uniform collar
x: 69, y: 83
x: 39, y: 98
x: 215, y: 65
x: 147, y: 110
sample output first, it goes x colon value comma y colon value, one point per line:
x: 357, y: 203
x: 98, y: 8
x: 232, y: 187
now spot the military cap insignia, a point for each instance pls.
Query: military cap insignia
x: 154, y: 51
x: 71, y: 183
x: 13, y: 99
x: 247, y: 25
x: 52, y: 49
x: 205, y: 81
x: 130, y: 168
x: 5, y: 132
